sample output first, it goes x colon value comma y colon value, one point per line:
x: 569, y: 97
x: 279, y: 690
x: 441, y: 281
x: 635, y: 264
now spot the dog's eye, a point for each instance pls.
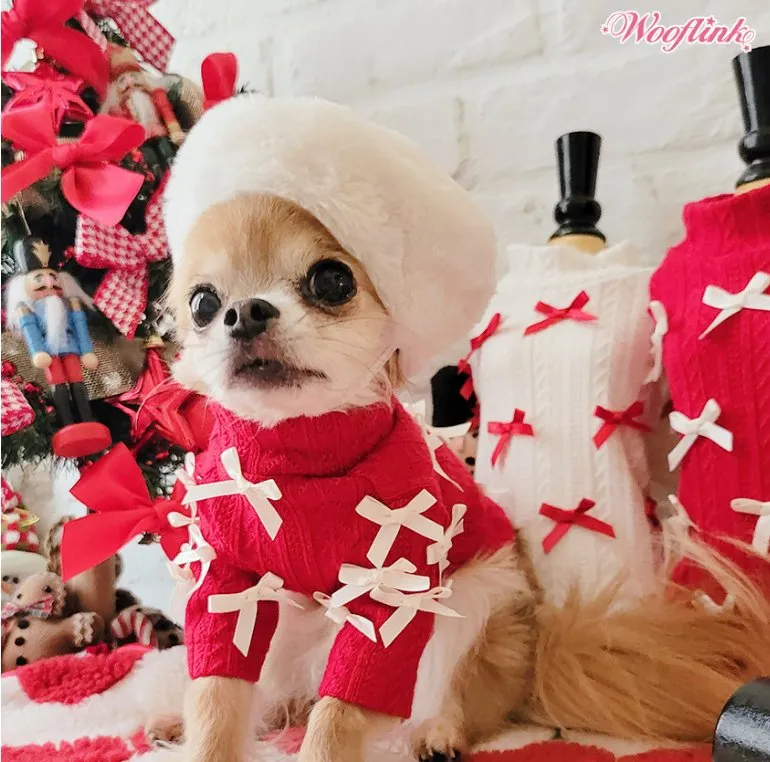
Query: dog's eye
x: 204, y: 305
x: 329, y: 282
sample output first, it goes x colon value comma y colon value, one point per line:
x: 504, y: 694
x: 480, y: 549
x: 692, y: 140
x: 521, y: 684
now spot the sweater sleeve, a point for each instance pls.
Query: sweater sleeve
x: 209, y: 636
x: 33, y: 336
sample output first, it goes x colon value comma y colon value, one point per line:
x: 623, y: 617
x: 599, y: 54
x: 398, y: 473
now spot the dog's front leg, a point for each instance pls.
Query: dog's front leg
x: 336, y: 732
x: 217, y: 719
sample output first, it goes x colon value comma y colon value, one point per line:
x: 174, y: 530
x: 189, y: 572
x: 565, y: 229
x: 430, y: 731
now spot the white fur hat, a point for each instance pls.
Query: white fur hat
x: 427, y: 246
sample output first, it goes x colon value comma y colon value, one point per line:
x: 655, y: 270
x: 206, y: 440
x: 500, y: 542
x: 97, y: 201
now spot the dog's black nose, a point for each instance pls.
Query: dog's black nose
x: 248, y: 318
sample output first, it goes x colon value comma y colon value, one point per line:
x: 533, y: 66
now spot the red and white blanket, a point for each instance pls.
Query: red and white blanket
x: 93, y: 707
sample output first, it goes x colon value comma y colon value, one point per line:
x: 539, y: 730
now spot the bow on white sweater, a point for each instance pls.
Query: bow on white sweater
x: 752, y: 298
x: 392, y: 519
x: 258, y: 494
x: 358, y: 581
x: 407, y: 607
x: 761, y: 539
x: 703, y: 426
x: 269, y: 588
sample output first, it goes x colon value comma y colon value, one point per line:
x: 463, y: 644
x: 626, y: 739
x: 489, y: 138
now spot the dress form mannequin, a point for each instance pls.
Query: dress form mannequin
x: 577, y: 156
x: 752, y: 75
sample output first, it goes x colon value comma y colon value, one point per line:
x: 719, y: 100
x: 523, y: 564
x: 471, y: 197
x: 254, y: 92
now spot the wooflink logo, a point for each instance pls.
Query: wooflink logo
x: 648, y: 29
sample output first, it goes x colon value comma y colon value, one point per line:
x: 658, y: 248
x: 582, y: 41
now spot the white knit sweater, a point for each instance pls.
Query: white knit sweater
x: 558, y: 376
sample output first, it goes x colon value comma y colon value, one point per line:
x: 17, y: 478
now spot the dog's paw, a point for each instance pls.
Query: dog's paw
x: 438, y: 740
x: 165, y: 729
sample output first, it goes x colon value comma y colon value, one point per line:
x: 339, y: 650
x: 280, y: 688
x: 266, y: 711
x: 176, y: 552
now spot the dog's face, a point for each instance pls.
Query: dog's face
x: 275, y: 319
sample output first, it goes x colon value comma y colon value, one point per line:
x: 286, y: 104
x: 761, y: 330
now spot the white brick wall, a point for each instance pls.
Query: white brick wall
x: 485, y: 86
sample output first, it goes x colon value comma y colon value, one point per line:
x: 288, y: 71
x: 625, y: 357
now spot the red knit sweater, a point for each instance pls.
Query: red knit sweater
x: 324, y: 467
x: 727, y: 243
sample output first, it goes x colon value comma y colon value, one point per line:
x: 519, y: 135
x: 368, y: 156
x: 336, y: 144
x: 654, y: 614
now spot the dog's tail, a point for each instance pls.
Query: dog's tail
x: 662, y: 669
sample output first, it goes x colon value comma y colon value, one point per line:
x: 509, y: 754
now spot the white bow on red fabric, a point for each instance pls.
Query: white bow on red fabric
x: 752, y: 297
x: 341, y: 615
x: 258, y: 494
x: 392, y: 519
x: 658, y: 312
x: 269, y: 588
x: 761, y: 540
x: 407, y: 606
x: 358, y: 580
x: 438, y: 553
x: 703, y: 426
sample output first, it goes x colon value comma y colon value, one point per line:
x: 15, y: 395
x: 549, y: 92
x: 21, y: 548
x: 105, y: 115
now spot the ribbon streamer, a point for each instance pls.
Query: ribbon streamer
x: 614, y: 418
x: 43, y: 21
x: 703, y: 426
x: 675, y: 526
x: 753, y: 297
x: 463, y: 366
x: 658, y: 312
x: 340, y: 615
x: 358, y: 581
x: 258, y: 494
x: 761, y: 539
x: 90, y: 181
x: 438, y: 553
x: 392, y: 519
x: 269, y: 588
x: 115, y: 490
x: 573, y: 311
x: 407, y: 607
x: 506, y: 430
x: 711, y: 606
x: 576, y: 517
x: 219, y: 75
x: 432, y: 438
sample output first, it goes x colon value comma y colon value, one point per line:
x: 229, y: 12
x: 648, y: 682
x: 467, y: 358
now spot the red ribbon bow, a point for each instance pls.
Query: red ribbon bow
x: 90, y: 182
x: 614, y: 418
x: 138, y: 27
x: 574, y: 311
x: 507, y: 430
x: 476, y: 343
x: 122, y: 294
x: 41, y: 608
x: 219, y: 75
x: 57, y: 92
x: 115, y: 490
x: 575, y: 517
x: 43, y: 22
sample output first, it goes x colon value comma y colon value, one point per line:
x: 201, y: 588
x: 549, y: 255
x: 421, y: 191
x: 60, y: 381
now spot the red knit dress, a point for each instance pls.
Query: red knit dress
x: 324, y: 467
x: 727, y: 244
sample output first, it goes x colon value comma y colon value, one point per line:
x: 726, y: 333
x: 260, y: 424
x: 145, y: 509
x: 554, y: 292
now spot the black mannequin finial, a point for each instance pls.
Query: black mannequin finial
x: 578, y: 211
x: 752, y: 74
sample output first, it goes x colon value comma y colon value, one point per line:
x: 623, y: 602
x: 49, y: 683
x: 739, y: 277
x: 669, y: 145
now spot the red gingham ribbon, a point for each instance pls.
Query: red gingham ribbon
x: 576, y: 517
x: 122, y: 294
x: 614, y: 418
x: 476, y: 343
x: 17, y: 412
x: 506, y: 430
x: 41, y: 608
x: 573, y: 311
x: 138, y: 27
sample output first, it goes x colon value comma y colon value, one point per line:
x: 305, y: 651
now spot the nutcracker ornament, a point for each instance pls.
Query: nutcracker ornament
x: 752, y: 74
x: 48, y: 308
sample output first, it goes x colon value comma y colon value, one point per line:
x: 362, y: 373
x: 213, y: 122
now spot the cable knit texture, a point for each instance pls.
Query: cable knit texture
x: 558, y: 376
x: 324, y: 466
x: 727, y: 242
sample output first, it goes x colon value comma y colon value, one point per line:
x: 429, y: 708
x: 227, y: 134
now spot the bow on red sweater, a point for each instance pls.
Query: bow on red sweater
x: 43, y: 22
x: 576, y: 517
x: 573, y: 311
x: 92, y: 184
x: 476, y: 343
x: 115, y: 490
x: 219, y: 74
x: 614, y: 418
x: 507, y: 430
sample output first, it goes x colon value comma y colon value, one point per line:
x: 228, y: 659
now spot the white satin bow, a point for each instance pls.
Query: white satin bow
x: 761, y: 540
x: 340, y: 615
x: 269, y: 588
x: 438, y: 552
x: 407, y: 607
x: 358, y: 581
x: 258, y: 494
x: 660, y: 317
x: 703, y: 426
x: 750, y: 298
x: 432, y: 437
x: 392, y: 519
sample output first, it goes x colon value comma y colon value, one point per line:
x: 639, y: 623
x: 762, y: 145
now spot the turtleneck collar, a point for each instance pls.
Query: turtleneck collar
x: 323, y: 445
x: 728, y: 223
